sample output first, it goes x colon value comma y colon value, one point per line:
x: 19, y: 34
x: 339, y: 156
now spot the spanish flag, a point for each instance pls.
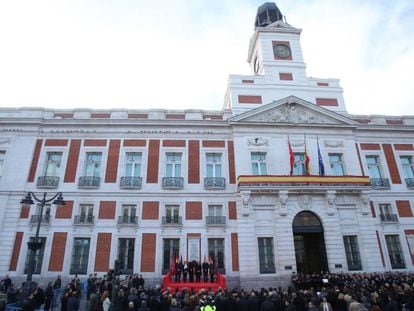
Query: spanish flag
x: 307, y: 164
x: 291, y: 157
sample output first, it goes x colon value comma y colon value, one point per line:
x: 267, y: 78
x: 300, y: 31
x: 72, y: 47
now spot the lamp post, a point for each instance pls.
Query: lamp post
x: 35, y: 245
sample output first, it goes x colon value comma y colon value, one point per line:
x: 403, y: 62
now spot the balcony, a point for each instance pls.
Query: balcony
x: 172, y: 221
x: 89, y: 182
x: 83, y: 220
x: 173, y: 183
x: 380, y: 183
x: 35, y: 219
x: 388, y: 218
x: 128, y: 220
x: 215, y: 220
x: 214, y: 183
x: 312, y: 182
x: 128, y: 182
x: 80, y: 269
x: 410, y: 183
x: 125, y: 271
x: 49, y: 182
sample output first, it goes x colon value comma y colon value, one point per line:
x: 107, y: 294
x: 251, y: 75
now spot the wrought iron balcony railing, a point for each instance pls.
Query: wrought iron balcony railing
x: 128, y: 182
x: 89, y: 182
x: 79, y: 269
x: 35, y: 219
x: 127, y: 220
x: 398, y: 265
x: 216, y: 220
x: 125, y: 271
x: 173, y: 183
x: 354, y: 267
x: 214, y: 183
x: 269, y: 269
x: 410, y: 182
x: 380, y: 183
x: 388, y: 218
x: 84, y: 220
x: 172, y: 221
x: 48, y: 182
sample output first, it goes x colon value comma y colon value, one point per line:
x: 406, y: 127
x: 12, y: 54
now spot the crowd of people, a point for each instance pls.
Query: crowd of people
x: 308, y: 292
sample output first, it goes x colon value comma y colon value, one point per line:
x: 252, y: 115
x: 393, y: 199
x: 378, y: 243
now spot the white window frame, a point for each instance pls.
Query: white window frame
x: 2, y: 161
x: 407, y: 167
x: 260, y: 163
x: 340, y: 163
x: 174, y: 163
x: 136, y: 166
x: 215, y: 163
x: 377, y: 165
x: 50, y: 162
x: 96, y: 169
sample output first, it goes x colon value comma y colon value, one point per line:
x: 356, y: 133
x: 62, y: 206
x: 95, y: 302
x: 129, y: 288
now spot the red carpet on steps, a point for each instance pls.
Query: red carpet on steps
x: 167, y: 281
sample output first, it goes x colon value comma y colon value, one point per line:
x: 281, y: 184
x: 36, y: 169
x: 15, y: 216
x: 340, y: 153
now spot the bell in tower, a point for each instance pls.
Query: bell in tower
x: 267, y: 14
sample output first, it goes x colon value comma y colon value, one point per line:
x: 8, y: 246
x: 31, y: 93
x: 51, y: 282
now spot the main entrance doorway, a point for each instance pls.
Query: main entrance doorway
x: 309, y: 243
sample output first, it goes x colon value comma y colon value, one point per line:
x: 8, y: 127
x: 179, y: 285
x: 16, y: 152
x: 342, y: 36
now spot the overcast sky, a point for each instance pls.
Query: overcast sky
x: 178, y: 54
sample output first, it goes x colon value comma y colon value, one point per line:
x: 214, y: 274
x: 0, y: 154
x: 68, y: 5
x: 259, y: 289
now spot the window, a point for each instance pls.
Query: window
x: 215, y: 210
x: 258, y: 163
x: 38, y: 257
x: 266, y: 256
x: 374, y: 169
x: 394, y: 251
x: 129, y: 213
x: 171, y: 249
x: 216, y: 252
x: 45, y: 214
x: 385, y: 209
x: 86, y: 213
x: 173, y: 165
x: 352, y: 252
x: 172, y: 214
x: 2, y: 157
x: 337, y: 164
x: 93, y: 164
x: 53, y: 161
x: 213, y: 164
x: 133, y: 164
x: 126, y: 255
x: 299, y: 164
x: 80, y: 256
x: 407, y: 166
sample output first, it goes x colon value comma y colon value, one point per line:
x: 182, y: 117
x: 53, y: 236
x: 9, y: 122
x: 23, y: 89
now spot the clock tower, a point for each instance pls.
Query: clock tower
x: 278, y: 69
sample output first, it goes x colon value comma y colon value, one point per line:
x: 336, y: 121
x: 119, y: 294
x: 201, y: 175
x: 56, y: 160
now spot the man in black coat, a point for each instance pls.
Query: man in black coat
x: 178, y: 270
x: 205, y: 270
x: 198, y: 272
x: 191, y: 271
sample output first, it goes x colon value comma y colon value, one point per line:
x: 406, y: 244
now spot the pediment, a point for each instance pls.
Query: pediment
x: 292, y: 110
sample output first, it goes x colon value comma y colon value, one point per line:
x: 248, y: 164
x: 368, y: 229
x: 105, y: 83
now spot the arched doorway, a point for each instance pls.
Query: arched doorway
x: 309, y: 243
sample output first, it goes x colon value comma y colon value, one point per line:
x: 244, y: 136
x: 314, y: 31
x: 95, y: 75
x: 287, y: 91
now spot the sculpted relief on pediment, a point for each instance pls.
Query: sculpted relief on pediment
x: 292, y: 113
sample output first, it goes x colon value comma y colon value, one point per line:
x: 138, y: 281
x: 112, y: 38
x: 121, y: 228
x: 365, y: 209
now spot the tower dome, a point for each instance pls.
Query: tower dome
x: 267, y: 14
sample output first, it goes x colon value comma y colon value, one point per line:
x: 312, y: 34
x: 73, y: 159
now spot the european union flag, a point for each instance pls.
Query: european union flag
x: 320, y: 161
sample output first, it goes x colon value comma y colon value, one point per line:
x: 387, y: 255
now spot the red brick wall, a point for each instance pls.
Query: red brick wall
x: 173, y: 143
x: 327, y: 102
x: 232, y: 167
x: 56, y: 142
x: 232, y: 210
x: 380, y: 248
x: 153, y: 161
x: 193, y: 210
x: 370, y: 147
x: 63, y: 115
x: 94, y: 142
x: 57, y: 254
x: 392, y: 165
x: 16, y: 251
x: 100, y: 115
x: 137, y: 115
x: 65, y: 211
x: 107, y: 210
x: 135, y: 142
x: 175, y: 116
x: 150, y: 210
x: 213, y: 143
x: 235, y: 251
x: 194, y: 162
x: 404, y: 208
x: 285, y: 76
x: 371, y: 204
x: 148, y: 249
x: 112, y: 163
x: 103, y: 252
x: 73, y: 158
x: 24, y: 212
x: 35, y: 160
x: 403, y: 147
x: 249, y: 99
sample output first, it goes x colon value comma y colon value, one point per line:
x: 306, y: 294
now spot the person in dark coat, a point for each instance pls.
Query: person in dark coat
x: 49, y: 294
x: 198, y: 272
x: 243, y: 303
x: 191, y: 271
x: 120, y: 301
x: 267, y: 305
x: 205, y: 267
x: 185, y: 271
x: 254, y: 302
x: 73, y: 302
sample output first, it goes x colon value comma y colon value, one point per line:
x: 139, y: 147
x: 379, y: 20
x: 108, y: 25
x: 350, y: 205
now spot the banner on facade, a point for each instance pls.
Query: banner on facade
x: 193, y: 245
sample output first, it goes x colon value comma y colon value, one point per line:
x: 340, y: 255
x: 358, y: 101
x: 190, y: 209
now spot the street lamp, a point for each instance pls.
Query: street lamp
x: 35, y: 245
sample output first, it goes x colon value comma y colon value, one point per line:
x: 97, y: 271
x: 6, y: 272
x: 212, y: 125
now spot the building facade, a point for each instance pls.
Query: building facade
x: 243, y: 186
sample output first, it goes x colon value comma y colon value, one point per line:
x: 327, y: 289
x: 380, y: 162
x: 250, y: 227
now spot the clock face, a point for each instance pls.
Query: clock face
x: 256, y: 65
x: 281, y: 50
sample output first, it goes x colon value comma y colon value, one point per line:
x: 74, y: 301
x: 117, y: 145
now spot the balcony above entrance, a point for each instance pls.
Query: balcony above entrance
x: 311, y: 182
